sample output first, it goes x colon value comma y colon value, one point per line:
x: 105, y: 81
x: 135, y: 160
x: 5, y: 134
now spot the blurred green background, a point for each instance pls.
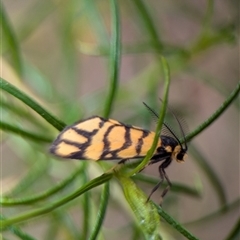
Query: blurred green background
x: 59, y: 54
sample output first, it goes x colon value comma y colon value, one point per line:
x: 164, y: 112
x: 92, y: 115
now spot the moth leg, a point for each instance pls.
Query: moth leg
x: 163, y: 176
x: 156, y: 187
x: 168, y: 182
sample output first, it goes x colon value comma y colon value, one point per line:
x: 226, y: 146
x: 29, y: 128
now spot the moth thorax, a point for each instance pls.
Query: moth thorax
x: 179, y: 154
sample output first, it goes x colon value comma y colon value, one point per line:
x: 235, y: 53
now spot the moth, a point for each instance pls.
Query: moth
x: 97, y: 138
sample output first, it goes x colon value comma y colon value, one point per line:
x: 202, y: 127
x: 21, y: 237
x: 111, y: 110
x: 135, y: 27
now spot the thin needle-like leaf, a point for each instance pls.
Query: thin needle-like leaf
x: 52, y: 206
x: 8, y: 87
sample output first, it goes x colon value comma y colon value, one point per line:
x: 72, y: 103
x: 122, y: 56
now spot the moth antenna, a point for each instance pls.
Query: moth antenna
x: 168, y: 128
x: 179, y: 124
x: 151, y: 110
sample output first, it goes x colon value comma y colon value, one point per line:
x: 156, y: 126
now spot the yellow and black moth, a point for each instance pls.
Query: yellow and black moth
x: 97, y: 138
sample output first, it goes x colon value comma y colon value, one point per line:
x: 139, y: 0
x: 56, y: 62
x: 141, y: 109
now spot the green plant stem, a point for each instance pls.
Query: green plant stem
x: 162, y: 112
x: 175, y: 224
x: 52, y: 206
x: 6, y: 201
x: 8, y: 87
x: 145, y: 212
x: 86, y: 208
x: 149, y: 25
x: 8, y: 34
x: 115, y: 58
x: 23, y: 133
x: 215, y: 115
x: 17, y: 231
x: 101, y: 212
x: 235, y: 232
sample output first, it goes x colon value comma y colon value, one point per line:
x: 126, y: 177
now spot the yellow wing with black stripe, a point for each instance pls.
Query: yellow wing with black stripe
x: 98, y: 138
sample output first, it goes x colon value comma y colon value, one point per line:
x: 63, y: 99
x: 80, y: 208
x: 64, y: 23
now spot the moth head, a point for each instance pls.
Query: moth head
x: 179, y: 154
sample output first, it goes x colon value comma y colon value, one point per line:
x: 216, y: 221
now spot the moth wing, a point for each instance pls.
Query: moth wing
x: 126, y: 142
x: 98, y: 138
x: 73, y: 141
